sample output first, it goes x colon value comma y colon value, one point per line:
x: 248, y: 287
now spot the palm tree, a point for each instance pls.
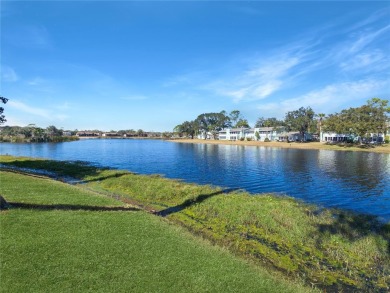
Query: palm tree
x: 321, y: 116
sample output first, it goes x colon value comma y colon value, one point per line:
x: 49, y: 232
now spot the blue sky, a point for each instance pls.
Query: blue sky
x: 152, y: 65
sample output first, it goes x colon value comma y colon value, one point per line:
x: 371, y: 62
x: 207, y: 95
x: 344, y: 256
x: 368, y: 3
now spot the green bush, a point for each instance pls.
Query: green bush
x: 387, y: 139
x: 266, y: 139
x: 248, y: 139
x: 242, y: 139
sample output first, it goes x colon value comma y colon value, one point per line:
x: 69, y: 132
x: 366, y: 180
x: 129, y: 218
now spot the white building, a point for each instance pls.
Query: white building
x: 257, y: 134
x: 232, y: 133
x: 261, y: 133
x: 205, y: 135
x: 334, y: 137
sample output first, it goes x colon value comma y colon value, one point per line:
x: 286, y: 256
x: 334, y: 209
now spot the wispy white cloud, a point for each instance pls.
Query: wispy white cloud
x: 375, y: 60
x: 257, y: 81
x: 327, y: 57
x: 20, y: 106
x: 330, y: 98
x: 44, y: 114
x: 360, y: 49
x: 8, y: 74
x: 366, y: 38
x: 15, y: 121
x: 371, y: 19
x: 331, y: 53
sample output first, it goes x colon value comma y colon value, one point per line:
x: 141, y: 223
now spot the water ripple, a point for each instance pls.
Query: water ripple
x: 352, y: 180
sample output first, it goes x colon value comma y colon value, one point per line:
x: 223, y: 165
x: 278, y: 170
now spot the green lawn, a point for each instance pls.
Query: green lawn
x: 64, y: 239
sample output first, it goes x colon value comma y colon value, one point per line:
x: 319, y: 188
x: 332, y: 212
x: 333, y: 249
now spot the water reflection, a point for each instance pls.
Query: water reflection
x: 363, y: 171
x: 353, y: 180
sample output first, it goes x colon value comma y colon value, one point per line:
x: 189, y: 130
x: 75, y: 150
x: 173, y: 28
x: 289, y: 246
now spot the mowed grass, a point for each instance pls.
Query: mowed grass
x: 53, y: 242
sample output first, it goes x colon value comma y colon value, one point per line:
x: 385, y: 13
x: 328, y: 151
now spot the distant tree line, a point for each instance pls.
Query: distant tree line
x: 32, y: 133
x: 370, y: 118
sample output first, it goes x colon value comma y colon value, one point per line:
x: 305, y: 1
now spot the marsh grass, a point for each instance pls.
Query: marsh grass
x: 331, y: 249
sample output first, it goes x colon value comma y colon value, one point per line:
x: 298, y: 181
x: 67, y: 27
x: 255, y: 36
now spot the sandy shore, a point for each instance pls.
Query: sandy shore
x: 385, y: 149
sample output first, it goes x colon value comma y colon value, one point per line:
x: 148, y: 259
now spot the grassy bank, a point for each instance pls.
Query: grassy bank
x: 384, y: 148
x: 60, y: 238
x: 331, y: 249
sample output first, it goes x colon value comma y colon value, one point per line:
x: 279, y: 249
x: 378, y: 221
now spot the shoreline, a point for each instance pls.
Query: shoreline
x: 383, y: 149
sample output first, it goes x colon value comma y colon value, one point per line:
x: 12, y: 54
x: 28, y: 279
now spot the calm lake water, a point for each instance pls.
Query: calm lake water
x: 358, y: 181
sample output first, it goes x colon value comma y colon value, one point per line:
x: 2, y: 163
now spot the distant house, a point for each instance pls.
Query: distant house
x: 296, y: 136
x: 133, y: 134
x: 110, y: 134
x: 333, y: 137
x: 154, y: 134
x: 150, y: 134
x: 88, y: 134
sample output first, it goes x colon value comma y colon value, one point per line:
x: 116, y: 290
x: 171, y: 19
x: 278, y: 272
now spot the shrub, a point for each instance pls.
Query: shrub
x: 248, y: 139
x: 266, y: 139
x: 242, y: 139
x: 387, y: 139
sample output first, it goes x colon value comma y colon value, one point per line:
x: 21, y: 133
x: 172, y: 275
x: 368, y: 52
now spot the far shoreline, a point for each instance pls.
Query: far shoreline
x: 383, y: 149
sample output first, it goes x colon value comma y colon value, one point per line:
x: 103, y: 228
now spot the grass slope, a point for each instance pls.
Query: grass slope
x: 331, y: 249
x: 62, y: 238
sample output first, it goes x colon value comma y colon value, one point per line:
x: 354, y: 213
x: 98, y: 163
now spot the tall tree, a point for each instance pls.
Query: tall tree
x: 268, y: 122
x: 321, y: 117
x: 300, y: 120
x: 187, y: 128
x: 53, y: 131
x: 242, y: 123
x: 2, y: 117
x: 235, y: 117
x: 212, y: 122
x: 380, y: 111
x: 260, y: 122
